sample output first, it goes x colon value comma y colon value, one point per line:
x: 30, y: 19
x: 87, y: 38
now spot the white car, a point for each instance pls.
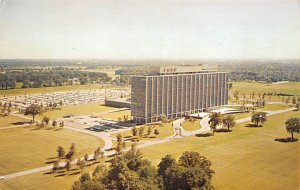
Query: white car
x: 2, y: 177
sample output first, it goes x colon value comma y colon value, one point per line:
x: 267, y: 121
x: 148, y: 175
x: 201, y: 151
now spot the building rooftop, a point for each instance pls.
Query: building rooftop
x: 162, y: 70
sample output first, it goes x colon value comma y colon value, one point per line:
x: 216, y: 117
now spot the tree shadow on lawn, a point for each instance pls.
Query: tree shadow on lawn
x: 286, y: 140
x: 60, y: 175
x: 223, y: 130
x: 75, y: 173
x: 204, y: 135
x: 253, y: 126
x: 50, y: 162
x: 21, y: 123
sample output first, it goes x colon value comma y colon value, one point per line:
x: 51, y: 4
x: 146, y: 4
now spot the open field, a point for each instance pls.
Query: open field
x: 191, y: 126
x: 116, y: 115
x: 241, y: 115
x: 44, y: 181
x: 27, y: 148
x: 292, y: 88
x: 250, y: 155
x: 165, y: 130
x: 85, y: 109
x: 22, y: 91
x: 11, y: 120
x: 273, y: 107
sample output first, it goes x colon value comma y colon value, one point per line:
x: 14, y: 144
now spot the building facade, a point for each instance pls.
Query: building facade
x: 176, y: 92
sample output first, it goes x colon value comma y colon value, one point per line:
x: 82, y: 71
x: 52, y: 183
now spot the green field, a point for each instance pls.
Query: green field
x: 84, y: 109
x: 28, y: 148
x: 22, y: 91
x: 247, y: 158
x: 165, y: 130
x: 11, y: 121
x: 247, y: 88
x: 273, y: 107
x: 44, y: 181
x: 241, y: 115
x: 191, y: 126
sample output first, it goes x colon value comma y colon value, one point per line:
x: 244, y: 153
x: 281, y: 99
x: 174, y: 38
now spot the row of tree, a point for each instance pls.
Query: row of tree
x: 34, y: 79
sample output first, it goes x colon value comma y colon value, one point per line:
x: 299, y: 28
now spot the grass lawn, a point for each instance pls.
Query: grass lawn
x: 116, y: 115
x: 273, y: 107
x: 83, y: 109
x: 44, y: 181
x: 11, y: 120
x: 191, y: 126
x: 247, y: 88
x: 27, y: 148
x: 165, y: 130
x: 241, y: 115
x: 22, y: 91
x: 246, y: 158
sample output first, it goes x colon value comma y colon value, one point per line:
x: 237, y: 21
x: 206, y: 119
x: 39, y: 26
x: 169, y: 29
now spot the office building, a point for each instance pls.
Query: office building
x: 177, y: 91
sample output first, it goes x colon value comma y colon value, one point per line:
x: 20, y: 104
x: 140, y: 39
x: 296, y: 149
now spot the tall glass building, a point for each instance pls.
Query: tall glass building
x: 177, y: 91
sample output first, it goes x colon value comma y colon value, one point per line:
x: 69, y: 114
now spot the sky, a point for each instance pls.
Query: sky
x: 149, y: 29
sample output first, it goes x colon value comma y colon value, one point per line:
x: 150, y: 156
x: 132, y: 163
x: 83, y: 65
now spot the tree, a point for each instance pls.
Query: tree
x: 86, y: 157
x: 68, y: 165
x: 236, y: 95
x: 73, y: 147
x: 134, y: 131
x: 46, y: 120
x: 163, y: 119
x: 141, y: 131
x: 71, y: 153
x: 287, y: 100
x: 61, y: 124
x: 81, y: 163
x: 56, y: 166
x: 119, y: 138
x: 292, y: 126
x: 33, y: 110
x: 156, y: 132
x: 126, y: 118
x: 294, y: 100
x: 258, y: 117
x: 214, y: 121
x: 98, y: 153
x: 60, y: 151
x: 54, y: 123
x: 149, y: 131
x: 297, y: 106
x: 192, y: 171
x: 228, y: 121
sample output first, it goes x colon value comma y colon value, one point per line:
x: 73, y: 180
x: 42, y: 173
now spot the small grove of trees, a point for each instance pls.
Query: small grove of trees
x: 131, y: 171
x: 292, y: 126
x: 258, y: 117
x: 5, y: 108
x: 141, y: 132
x: 216, y: 119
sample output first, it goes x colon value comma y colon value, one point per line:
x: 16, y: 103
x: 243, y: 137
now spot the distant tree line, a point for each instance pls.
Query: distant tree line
x: 35, y: 79
x: 271, y: 72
